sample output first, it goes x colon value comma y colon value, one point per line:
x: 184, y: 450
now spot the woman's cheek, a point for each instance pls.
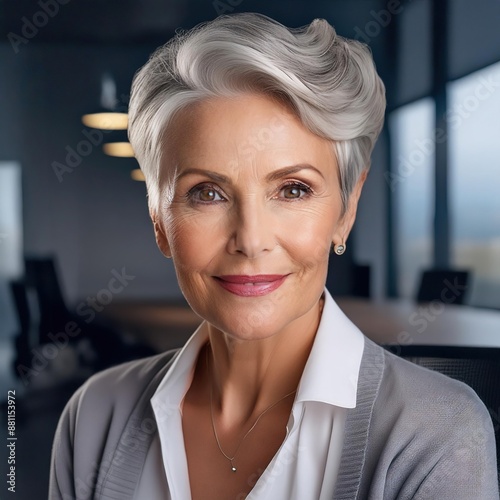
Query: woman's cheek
x: 193, y: 236
x: 312, y: 240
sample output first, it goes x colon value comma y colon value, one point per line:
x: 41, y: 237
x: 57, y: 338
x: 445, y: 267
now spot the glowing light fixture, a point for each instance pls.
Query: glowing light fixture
x: 109, y: 116
x: 106, y: 121
x: 137, y: 175
x: 121, y: 149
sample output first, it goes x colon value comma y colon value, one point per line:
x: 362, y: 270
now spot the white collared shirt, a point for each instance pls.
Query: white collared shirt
x: 306, y: 465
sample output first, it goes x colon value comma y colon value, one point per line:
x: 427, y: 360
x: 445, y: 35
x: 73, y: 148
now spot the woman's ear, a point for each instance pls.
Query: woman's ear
x: 347, y: 220
x: 161, y: 237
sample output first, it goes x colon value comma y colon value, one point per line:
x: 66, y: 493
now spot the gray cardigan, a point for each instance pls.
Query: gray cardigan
x: 414, y: 434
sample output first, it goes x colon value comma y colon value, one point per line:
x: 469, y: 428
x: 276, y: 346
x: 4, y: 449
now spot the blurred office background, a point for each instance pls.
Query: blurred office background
x: 73, y: 217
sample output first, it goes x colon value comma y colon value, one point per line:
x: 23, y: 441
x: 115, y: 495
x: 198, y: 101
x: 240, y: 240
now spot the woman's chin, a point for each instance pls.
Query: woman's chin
x: 245, y: 332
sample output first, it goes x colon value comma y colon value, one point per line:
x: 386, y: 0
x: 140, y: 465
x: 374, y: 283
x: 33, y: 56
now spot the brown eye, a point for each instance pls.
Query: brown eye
x: 207, y: 194
x: 204, y: 193
x: 291, y: 192
x: 294, y: 191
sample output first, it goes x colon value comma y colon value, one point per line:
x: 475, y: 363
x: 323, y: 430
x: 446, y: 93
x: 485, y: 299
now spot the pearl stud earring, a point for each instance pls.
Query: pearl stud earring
x: 339, y: 249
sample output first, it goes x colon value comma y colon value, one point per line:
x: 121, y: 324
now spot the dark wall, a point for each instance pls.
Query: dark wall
x: 94, y: 218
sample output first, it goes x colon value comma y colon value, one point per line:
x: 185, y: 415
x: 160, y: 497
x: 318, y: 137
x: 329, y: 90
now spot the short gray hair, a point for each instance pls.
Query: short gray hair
x: 329, y: 82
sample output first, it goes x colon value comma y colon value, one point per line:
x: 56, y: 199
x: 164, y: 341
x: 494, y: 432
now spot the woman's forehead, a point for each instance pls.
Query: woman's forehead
x: 245, y: 131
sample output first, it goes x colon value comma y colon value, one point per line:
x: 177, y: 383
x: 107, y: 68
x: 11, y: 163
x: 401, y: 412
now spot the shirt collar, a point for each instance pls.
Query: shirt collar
x: 178, y: 378
x: 332, y: 368
x: 330, y: 374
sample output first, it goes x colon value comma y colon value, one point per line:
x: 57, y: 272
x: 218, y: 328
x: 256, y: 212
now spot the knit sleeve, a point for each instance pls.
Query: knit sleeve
x: 61, y: 483
x: 430, y: 438
x: 466, y: 467
x: 95, y: 422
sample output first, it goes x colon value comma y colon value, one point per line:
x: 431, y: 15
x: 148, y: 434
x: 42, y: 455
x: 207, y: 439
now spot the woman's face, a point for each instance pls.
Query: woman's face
x: 247, y: 191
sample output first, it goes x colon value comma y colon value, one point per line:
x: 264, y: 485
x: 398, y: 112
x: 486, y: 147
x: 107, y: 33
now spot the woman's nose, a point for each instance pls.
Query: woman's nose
x: 252, y: 230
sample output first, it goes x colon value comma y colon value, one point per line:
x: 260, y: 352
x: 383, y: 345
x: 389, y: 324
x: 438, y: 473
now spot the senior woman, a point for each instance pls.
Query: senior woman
x: 255, y: 142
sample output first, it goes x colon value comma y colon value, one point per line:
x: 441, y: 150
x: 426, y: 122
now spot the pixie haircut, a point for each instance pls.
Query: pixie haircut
x: 329, y: 82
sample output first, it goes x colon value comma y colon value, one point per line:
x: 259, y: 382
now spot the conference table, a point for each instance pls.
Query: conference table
x: 402, y: 326
x: 411, y: 329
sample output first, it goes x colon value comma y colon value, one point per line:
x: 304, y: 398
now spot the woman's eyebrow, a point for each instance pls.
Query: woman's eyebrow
x: 283, y: 172
x: 201, y: 171
x: 277, y: 174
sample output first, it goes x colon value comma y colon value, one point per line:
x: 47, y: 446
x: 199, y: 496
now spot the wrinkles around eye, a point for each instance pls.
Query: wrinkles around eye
x: 206, y: 193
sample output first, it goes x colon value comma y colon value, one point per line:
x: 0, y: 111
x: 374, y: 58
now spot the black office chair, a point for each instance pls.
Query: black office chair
x: 444, y: 285
x: 41, y: 274
x: 348, y: 278
x: 483, y: 375
x: 361, y: 282
x: 107, y: 346
x: 22, y: 338
x: 19, y: 294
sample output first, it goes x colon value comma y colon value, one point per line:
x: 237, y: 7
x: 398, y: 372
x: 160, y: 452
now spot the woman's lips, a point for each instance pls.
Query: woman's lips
x: 251, y: 286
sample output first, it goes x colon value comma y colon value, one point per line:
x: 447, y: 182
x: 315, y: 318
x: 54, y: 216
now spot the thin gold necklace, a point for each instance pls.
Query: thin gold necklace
x: 233, y: 468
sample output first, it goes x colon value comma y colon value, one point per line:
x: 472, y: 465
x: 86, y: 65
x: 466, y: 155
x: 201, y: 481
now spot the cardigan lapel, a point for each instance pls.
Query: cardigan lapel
x: 358, y: 423
x: 119, y: 477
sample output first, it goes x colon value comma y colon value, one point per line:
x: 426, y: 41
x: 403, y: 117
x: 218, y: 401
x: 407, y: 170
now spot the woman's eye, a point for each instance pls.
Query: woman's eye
x: 204, y: 194
x: 295, y: 191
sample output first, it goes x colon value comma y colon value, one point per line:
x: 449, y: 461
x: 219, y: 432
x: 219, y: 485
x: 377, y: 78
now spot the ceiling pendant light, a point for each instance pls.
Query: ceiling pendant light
x: 120, y: 149
x: 107, y: 118
x: 137, y: 175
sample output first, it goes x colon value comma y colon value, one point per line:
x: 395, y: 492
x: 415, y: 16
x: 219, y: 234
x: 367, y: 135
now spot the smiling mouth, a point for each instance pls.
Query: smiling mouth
x: 251, y: 286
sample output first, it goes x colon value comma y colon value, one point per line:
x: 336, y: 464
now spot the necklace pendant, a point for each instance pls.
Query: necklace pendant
x: 233, y: 468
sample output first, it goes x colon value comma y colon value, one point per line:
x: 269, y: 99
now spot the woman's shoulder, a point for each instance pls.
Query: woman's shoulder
x: 97, y: 418
x: 429, y: 400
x: 135, y: 371
x: 411, y: 378
x: 126, y: 380
x: 405, y: 395
x: 426, y: 433
x: 112, y: 394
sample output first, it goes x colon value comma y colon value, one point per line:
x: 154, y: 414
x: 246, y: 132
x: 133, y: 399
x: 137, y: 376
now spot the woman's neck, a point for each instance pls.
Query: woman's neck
x: 249, y: 376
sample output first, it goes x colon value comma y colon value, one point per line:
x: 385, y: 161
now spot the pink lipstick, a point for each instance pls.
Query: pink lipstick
x: 251, y: 286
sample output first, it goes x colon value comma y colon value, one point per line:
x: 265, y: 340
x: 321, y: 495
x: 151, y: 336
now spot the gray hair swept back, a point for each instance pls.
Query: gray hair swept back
x: 330, y: 82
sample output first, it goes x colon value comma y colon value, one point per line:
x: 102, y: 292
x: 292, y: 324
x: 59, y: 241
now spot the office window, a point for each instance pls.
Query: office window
x: 474, y: 176
x: 11, y: 264
x: 411, y: 183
